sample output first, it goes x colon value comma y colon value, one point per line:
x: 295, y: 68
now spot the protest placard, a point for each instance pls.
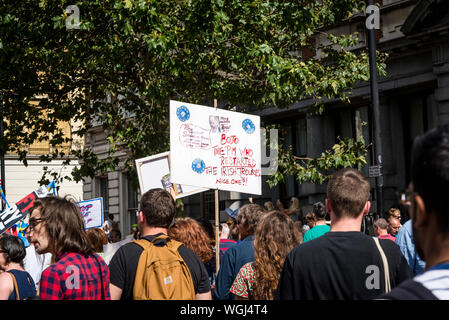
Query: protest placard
x: 215, y: 148
x: 154, y: 172
x: 92, y: 212
x: 13, y: 214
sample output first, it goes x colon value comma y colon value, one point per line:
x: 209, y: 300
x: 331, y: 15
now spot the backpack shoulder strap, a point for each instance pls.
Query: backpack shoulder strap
x: 143, y: 243
x: 385, y: 263
x: 169, y: 242
x: 101, y: 277
x: 16, y: 287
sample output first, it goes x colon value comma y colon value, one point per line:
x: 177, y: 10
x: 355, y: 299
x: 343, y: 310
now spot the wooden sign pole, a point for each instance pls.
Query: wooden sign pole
x: 217, y: 220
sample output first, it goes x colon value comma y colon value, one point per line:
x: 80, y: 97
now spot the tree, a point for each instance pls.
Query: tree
x: 143, y: 53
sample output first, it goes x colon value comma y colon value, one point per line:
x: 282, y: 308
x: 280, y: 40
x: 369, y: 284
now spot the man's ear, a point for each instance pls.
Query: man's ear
x: 422, y: 217
x: 141, y: 217
x: 328, y: 206
x: 366, y: 208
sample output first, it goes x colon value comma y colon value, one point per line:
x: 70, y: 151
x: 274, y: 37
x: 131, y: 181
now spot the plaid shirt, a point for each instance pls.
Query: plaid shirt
x: 74, y: 277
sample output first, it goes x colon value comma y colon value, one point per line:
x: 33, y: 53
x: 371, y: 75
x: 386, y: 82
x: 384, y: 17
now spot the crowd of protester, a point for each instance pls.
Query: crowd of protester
x: 264, y: 253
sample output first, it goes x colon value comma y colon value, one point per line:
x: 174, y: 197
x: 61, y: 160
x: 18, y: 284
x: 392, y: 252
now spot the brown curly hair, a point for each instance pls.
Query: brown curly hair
x: 250, y: 215
x: 275, y: 237
x: 97, y: 238
x: 192, y: 235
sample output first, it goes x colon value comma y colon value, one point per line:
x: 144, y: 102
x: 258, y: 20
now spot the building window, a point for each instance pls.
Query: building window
x: 294, y: 133
x: 355, y: 123
x: 418, y: 116
x: 209, y: 204
x: 132, y: 201
x: 301, y: 137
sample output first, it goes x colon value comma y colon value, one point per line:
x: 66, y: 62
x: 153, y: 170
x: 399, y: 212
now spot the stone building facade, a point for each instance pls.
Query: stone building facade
x: 21, y: 180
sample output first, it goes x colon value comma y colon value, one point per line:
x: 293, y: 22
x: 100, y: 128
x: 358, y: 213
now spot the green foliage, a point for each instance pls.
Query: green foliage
x: 142, y: 53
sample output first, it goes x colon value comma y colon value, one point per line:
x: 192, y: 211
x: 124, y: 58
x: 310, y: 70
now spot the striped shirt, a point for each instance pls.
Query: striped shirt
x: 436, y: 281
x: 431, y: 285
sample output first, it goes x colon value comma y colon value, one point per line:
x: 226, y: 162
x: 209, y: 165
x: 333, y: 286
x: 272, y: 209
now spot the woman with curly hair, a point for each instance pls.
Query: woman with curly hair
x: 193, y: 236
x: 97, y: 238
x: 275, y: 236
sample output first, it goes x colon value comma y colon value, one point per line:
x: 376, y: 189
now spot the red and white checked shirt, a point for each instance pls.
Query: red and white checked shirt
x: 75, y: 277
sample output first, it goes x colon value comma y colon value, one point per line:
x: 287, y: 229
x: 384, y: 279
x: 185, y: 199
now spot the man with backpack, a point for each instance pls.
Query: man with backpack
x: 157, y: 267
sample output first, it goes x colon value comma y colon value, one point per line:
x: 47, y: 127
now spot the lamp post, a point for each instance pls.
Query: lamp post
x: 376, y: 170
x: 2, y: 154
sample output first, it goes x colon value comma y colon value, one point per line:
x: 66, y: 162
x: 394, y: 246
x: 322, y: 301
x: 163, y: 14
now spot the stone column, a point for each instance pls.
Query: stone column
x: 88, y: 189
x: 440, y: 53
x: 114, y: 192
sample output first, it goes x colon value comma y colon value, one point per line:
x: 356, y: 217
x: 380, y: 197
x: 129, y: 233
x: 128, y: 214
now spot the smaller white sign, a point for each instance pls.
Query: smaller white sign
x: 154, y: 172
x: 92, y: 212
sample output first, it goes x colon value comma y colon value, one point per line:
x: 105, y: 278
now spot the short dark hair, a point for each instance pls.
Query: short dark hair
x: 13, y: 248
x: 430, y: 172
x: 159, y: 208
x: 319, y: 209
x: 348, y: 191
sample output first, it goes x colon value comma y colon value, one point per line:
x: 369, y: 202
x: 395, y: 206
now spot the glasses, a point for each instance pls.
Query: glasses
x: 410, y: 195
x: 33, y: 222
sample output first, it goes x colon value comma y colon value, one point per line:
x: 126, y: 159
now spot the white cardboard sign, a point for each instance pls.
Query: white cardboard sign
x: 154, y: 172
x: 215, y: 148
x: 92, y: 212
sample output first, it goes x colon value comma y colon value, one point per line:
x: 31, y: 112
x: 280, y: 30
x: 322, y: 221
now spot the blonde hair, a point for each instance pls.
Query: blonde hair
x: 393, y: 211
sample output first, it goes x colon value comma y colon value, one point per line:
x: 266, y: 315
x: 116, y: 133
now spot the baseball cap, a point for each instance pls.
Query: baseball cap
x: 232, y: 213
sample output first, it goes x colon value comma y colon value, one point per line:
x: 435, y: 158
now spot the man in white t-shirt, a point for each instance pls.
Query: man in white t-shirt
x: 34, y: 263
x: 107, y: 225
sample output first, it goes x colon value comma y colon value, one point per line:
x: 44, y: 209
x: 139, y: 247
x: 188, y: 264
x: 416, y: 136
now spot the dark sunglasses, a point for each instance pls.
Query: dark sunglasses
x: 33, y: 222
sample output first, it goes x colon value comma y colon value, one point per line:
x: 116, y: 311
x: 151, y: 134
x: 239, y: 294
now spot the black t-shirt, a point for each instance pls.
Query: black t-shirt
x: 340, y: 266
x: 123, y: 267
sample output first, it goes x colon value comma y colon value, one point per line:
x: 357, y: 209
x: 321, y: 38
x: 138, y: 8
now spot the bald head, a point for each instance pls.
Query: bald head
x: 393, y: 226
